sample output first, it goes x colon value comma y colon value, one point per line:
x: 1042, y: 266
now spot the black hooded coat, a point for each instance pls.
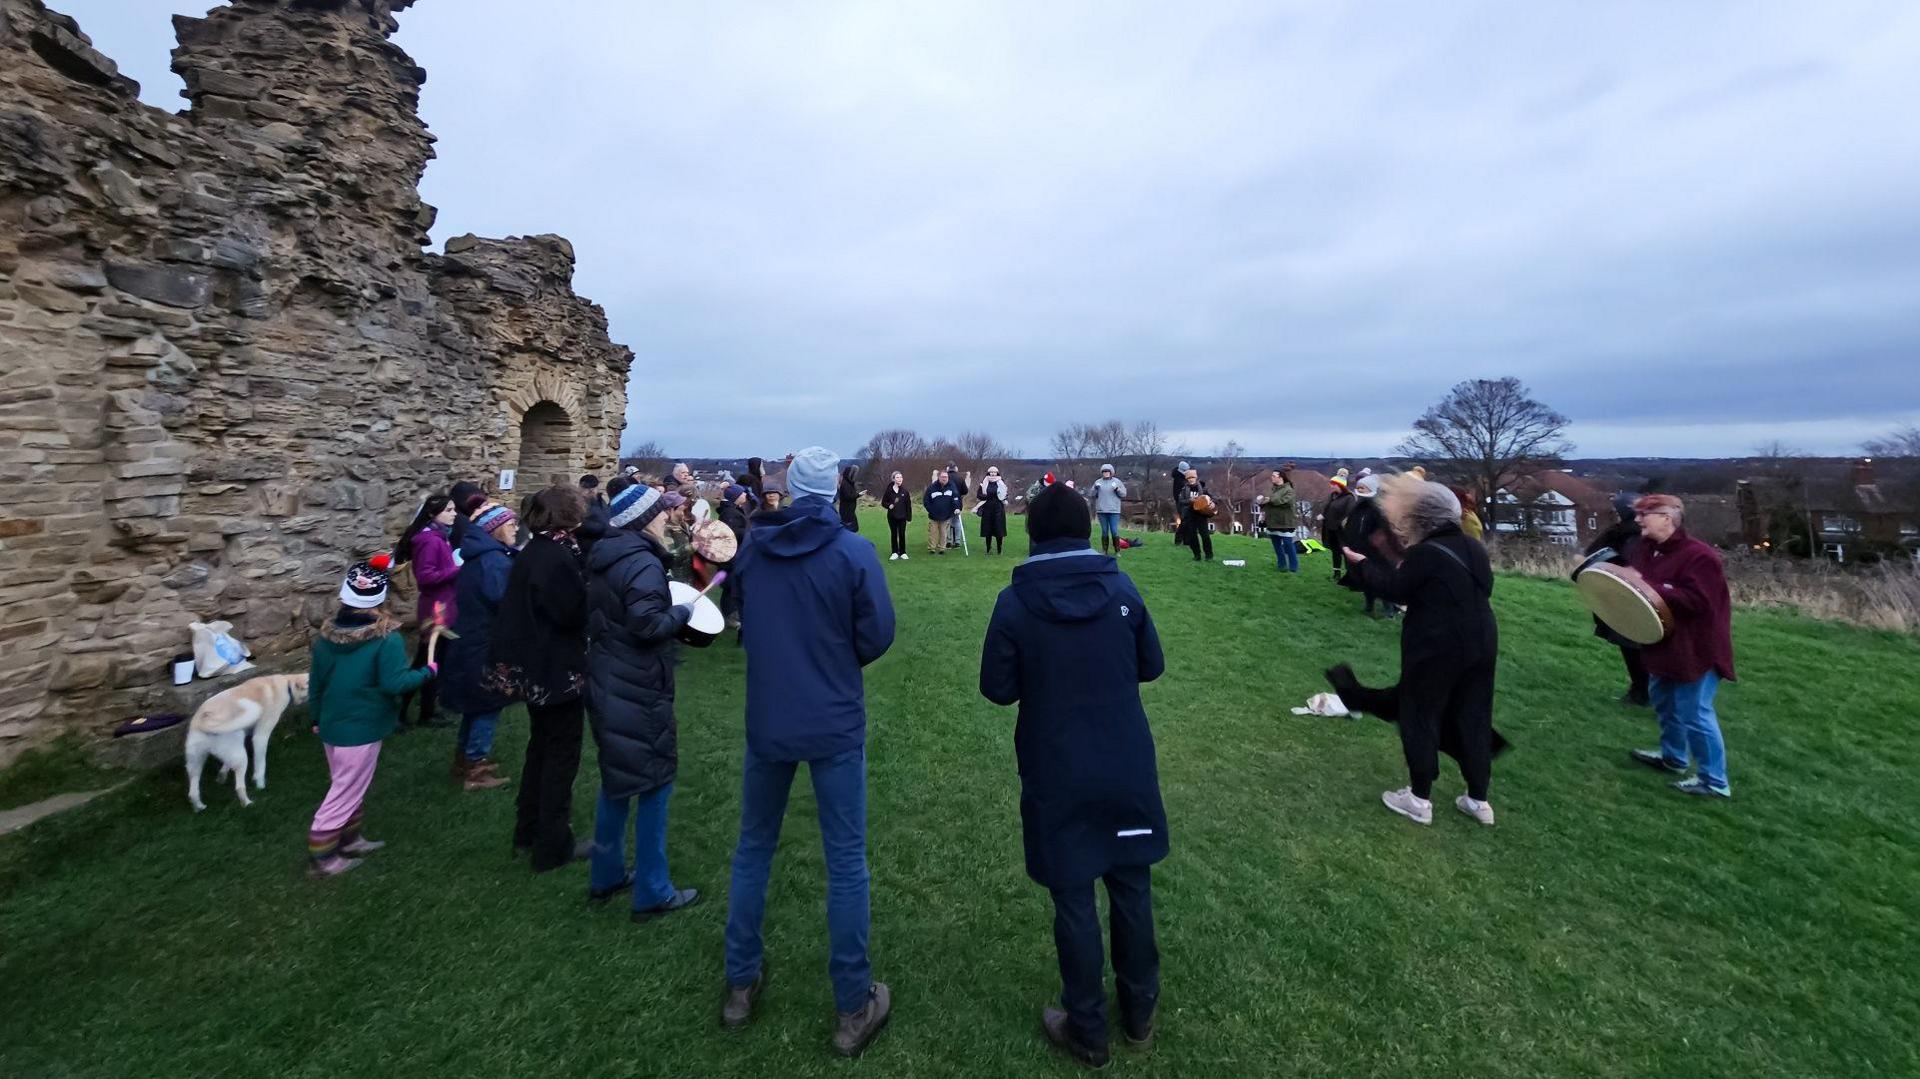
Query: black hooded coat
x: 1071, y: 641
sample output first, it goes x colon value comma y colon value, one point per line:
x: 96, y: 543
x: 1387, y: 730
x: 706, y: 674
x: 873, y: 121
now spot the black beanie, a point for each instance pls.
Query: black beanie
x: 1058, y: 513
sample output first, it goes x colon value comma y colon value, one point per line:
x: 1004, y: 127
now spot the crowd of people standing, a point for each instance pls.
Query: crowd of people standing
x: 567, y: 605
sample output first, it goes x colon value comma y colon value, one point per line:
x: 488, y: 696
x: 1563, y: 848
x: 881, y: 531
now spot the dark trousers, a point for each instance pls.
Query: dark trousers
x: 1636, y: 675
x: 544, y: 817
x: 897, y: 536
x: 430, y: 697
x: 1136, y: 962
x: 1195, y: 535
x: 1445, y: 706
x: 1331, y: 540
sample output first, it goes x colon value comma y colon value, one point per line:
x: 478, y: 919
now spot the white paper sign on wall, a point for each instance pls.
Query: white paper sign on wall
x: 506, y: 479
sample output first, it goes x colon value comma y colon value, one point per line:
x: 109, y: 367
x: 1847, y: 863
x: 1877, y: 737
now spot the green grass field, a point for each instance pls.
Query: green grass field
x: 1607, y: 927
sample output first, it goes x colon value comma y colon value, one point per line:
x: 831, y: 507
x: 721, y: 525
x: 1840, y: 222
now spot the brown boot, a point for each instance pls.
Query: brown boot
x: 480, y: 777
x: 1053, y: 1023
x: 858, y: 1029
x: 737, y: 1010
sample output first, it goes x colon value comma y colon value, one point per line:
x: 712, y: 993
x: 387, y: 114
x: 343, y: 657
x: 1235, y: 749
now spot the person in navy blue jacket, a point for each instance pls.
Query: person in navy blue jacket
x: 1071, y: 641
x: 942, y: 501
x: 815, y: 611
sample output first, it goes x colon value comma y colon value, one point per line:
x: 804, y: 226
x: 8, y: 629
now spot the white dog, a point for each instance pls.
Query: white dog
x: 220, y: 726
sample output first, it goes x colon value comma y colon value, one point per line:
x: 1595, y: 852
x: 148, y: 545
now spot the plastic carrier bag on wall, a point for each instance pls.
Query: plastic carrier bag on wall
x: 216, y: 651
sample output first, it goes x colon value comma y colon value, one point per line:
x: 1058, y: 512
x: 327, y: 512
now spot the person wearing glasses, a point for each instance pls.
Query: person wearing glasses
x: 1685, y: 670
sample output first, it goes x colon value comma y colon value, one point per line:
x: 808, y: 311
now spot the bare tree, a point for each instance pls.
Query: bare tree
x: 1488, y: 432
x: 1227, y: 476
x: 897, y: 449
x: 975, y: 450
x: 648, y: 457
x: 1071, y: 446
x: 1902, y: 442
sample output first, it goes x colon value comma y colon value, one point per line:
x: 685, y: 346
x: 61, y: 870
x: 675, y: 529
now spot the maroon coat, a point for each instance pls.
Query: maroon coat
x: 1688, y: 575
x: 435, y: 571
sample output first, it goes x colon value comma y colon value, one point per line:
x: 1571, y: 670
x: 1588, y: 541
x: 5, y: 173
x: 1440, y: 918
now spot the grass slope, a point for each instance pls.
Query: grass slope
x: 1607, y: 927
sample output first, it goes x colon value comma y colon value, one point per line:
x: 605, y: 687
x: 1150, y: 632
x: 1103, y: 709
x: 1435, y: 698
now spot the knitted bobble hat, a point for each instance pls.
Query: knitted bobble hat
x: 366, y: 583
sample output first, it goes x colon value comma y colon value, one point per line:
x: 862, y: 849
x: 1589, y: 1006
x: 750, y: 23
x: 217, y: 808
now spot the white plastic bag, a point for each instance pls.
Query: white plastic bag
x: 217, y: 651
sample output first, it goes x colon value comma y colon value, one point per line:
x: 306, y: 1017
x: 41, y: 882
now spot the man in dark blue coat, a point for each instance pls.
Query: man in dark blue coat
x: 815, y: 611
x: 942, y: 502
x: 1071, y: 641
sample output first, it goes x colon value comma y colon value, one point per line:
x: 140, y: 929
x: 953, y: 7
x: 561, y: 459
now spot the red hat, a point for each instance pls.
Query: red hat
x: 1047, y: 479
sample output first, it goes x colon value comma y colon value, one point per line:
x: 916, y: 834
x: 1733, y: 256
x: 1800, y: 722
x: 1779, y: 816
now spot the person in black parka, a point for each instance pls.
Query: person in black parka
x: 1449, y: 644
x: 631, y: 623
x: 1621, y: 539
x: 1071, y: 641
x: 1363, y: 522
x: 847, y: 499
x: 540, y: 656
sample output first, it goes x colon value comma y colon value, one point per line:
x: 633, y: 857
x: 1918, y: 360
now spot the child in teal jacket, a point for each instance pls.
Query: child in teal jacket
x: 358, y: 675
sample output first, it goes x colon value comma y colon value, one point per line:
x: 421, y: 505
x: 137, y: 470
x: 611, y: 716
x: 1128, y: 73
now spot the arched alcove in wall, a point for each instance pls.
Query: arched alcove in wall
x: 547, y: 446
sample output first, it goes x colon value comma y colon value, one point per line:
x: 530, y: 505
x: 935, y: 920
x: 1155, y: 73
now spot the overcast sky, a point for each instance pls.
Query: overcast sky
x: 1690, y: 227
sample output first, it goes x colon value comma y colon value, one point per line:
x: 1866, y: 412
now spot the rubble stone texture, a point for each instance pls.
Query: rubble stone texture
x: 227, y: 366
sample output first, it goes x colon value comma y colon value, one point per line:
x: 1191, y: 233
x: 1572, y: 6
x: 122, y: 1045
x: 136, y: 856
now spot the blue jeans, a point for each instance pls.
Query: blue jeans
x: 476, y: 734
x: 840, y: 795
x: 1286, y: 556
x: 1109, y: 526
x: 1689, y: 727
x: 651, y: 884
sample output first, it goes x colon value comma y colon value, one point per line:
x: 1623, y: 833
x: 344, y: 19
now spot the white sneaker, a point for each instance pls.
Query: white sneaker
x: 903, y: 558
x: 895, y: 557
x: 1403, y: 802
x: 1480, y: 811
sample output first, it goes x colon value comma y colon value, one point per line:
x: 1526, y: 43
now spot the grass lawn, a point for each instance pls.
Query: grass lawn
x: 1607, y: 927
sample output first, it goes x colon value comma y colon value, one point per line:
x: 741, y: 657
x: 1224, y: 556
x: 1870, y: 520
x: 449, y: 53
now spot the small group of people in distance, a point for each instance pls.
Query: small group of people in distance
x: 567, y: 605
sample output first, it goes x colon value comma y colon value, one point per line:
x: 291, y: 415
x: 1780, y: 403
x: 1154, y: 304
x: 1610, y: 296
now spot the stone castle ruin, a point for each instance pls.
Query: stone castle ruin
x: 228, y: 367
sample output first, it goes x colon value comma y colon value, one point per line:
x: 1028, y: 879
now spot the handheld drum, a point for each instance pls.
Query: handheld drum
x: 707, y: 622
x: 1620, y: 597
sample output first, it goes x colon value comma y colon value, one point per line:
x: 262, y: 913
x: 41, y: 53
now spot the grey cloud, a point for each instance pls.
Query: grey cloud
x: 1291, y: 225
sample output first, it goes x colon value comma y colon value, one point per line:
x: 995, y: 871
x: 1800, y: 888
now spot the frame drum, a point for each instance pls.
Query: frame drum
x: 706, y: 624
x: 1620, y: 597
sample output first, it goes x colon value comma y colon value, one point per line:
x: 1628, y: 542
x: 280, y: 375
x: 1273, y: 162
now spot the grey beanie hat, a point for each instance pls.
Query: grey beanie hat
x: 814, y: 471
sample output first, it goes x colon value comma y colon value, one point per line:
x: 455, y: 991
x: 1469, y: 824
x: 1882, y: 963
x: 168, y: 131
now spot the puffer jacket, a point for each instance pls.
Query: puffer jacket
x: 631, y: 623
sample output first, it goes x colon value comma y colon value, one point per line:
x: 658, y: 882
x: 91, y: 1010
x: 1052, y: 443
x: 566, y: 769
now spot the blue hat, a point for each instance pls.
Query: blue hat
x: 634, y: 506
x: 732, y: 492
x: 814, y: 471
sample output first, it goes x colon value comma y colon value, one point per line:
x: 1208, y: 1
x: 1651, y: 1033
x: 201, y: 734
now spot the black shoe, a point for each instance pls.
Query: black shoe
x: 1139, y: 1035
x: 597, y: 897
x: 682, y: 899
x: 1657, y: 761
x: 1635, y: 700
x: 1053, y: 1023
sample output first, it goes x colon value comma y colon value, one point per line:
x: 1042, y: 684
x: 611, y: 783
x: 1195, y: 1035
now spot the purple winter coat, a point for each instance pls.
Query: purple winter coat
x: 436, y: 573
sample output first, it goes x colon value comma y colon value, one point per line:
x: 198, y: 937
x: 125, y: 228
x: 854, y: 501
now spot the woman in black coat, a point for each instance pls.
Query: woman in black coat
x: 897, y: 500
x: 1071, y: 642
x: 1193, y: 529
x: 1363, y: 522
x: 848, y: 499
x: 631, y: 622
x: 540, y: 656
x: 1448, y: 647
x: 991, y: 497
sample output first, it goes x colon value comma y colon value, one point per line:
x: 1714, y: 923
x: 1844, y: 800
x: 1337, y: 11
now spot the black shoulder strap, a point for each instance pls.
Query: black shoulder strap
x: 1455, y: 555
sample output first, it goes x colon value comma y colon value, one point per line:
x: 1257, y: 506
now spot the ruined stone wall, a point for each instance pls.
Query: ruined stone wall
x: 227, y: 367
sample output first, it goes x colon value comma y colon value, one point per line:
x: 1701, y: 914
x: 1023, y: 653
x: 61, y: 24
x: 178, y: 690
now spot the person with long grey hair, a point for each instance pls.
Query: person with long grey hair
x: 1449, y: 642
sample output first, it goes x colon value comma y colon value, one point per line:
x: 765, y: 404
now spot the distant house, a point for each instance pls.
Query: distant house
x: 1554, y: 505
x: 1857, y: 515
